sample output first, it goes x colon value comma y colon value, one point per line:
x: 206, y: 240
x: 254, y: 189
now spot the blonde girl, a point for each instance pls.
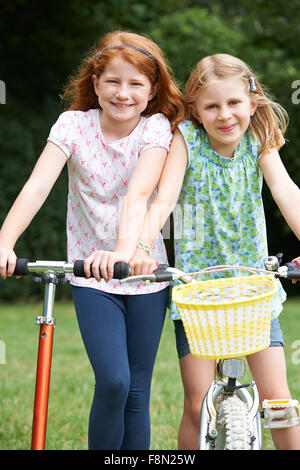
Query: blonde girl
x: 124, y: 105
x: 216, y: 165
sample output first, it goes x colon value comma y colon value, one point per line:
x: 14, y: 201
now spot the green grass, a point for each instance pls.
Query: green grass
x: 72, y: 380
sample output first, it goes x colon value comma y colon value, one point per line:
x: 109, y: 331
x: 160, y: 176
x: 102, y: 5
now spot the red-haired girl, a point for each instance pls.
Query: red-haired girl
x: 114, y: 137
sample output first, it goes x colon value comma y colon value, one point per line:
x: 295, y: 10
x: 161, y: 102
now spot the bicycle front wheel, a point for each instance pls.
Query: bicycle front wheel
x: 233, y: 425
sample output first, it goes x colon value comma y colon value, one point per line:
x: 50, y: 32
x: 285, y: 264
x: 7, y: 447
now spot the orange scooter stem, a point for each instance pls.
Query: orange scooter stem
x: 44, y: 359
x: 42, y: 387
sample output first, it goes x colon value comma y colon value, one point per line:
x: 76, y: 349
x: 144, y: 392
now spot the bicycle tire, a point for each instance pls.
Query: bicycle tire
x: 233, y: 425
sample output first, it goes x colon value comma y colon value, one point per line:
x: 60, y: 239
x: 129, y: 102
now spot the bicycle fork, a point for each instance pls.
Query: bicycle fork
x: 208, y: 417
x: 44, y: 359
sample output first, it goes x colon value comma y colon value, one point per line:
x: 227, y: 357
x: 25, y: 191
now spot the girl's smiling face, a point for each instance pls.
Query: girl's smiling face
x: 224, y: 108
x: 123, y: 93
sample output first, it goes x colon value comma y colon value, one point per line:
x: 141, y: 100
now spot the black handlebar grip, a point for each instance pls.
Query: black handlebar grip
x: 293, y: 271
x: 121, y: 269
x: 21, y: 267
x: 294, y: 275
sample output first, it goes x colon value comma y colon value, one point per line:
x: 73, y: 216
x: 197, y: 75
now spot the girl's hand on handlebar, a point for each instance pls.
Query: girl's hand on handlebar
x: 142, y: 263
x: 7, y: 262
x: 102, y: 263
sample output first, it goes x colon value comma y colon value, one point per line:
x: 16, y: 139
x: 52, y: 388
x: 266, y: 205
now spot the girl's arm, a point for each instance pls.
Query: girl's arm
x: 134, y: 207
x: 28, y: 203
x: 284, y: 191
x: 167, y: 195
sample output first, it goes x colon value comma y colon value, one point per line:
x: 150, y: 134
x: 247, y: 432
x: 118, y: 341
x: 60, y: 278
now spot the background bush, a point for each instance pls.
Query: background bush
x: 41, y: 46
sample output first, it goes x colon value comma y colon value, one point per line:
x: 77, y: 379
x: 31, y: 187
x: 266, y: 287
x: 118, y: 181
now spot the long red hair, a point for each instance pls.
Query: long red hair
x: 168, y: 100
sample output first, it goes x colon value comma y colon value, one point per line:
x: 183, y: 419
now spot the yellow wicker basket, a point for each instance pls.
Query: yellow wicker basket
x: 227, y: 317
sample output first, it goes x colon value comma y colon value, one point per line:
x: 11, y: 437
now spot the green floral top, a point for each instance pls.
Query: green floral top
x: 219, y: 217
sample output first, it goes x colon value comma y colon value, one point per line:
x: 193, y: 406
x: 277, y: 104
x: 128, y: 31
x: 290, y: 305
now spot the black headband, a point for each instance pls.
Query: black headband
x: 130, y: 47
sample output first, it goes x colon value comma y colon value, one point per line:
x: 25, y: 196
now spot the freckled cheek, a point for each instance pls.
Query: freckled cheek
x: 246, y: 119
x: 209, y: 121
x: 140, y: 96
x: 106, y: 96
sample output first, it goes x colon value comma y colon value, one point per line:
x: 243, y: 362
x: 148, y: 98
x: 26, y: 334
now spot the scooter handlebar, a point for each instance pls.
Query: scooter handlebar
x: 121, y: 269
x: 24, y: 267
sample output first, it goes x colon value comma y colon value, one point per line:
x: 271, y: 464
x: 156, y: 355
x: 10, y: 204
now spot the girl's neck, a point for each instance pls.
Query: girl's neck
x: 222, y: 150
x: 116, y: 130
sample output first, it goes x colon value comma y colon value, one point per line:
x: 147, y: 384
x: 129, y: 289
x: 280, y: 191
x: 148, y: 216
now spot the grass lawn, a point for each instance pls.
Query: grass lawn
x: 72, y: 379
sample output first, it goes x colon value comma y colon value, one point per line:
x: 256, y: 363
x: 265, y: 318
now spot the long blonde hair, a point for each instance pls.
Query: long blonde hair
x: 168, y: 100
x: 269, y: 122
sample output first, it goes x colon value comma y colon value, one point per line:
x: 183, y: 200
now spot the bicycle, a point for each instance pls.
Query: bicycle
x: 50, y: 273
x: 230, y: 417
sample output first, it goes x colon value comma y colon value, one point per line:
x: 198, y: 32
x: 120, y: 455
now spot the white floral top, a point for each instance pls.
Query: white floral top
x: 219, y: 217
x: 99, y: 173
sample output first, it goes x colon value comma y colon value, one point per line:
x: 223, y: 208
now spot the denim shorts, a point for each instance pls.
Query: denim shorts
x: 276, y: 337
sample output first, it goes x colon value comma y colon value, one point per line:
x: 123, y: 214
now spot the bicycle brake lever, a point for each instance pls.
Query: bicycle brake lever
x: 279, y: 256
x: 138, y: 278
x: 164, y: 273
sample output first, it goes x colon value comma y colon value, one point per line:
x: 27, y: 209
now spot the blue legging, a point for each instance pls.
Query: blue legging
x: 121, y: 334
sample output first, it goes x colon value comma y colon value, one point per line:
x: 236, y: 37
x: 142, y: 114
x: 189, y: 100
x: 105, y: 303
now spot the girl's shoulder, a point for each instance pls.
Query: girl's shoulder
x: 155, y: 121
x: 66, y: 132
x: 251, y: 146
x: 154, y: 131
x: 194, y: 138
x: 77, y: 116
x: 190, y: 131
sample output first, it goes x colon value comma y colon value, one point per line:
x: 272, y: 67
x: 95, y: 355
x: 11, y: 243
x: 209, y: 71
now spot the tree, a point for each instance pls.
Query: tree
x: 40, y: 46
